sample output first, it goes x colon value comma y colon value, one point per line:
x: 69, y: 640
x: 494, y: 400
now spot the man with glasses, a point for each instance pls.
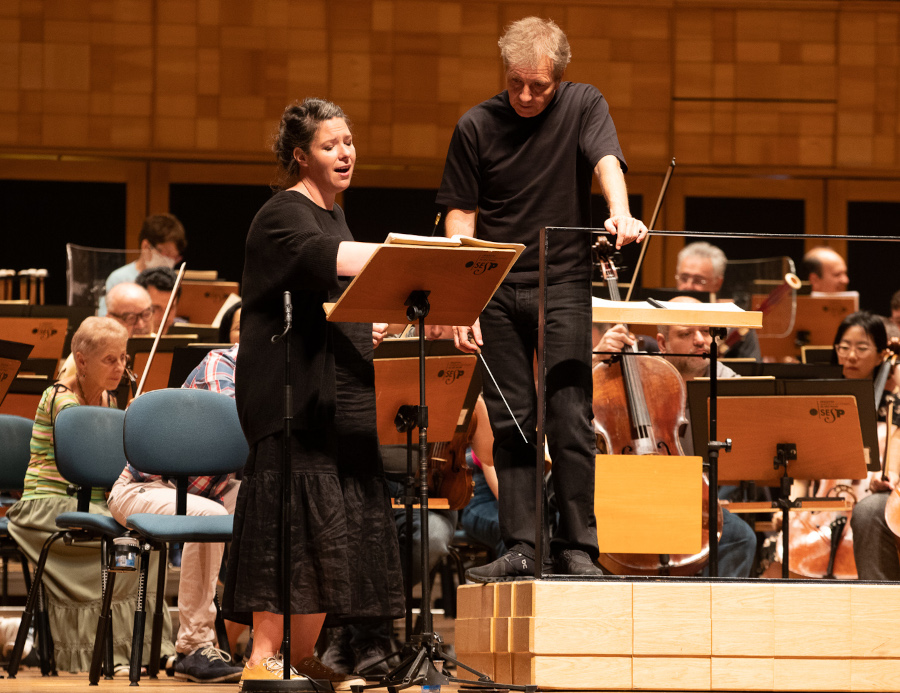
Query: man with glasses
x: 131, y: 305
x: 162, y: 242
x: 701, y: 267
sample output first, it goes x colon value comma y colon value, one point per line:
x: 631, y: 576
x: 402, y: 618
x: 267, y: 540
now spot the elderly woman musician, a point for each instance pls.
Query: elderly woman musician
x: 72, y: 575
x: 345, y: 557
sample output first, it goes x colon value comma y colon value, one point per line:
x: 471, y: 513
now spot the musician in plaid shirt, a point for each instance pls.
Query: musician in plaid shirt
x: 134, y: 492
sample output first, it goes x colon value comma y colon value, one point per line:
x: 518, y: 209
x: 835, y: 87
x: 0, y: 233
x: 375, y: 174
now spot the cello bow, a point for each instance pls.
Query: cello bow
x: 140, y: 387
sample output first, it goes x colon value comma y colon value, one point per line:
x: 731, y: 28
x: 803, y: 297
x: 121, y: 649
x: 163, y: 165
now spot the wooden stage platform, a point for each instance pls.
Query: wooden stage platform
x: 690, y: 634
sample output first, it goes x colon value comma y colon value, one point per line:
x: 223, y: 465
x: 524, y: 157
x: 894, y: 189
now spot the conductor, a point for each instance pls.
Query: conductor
x: 519, y: 161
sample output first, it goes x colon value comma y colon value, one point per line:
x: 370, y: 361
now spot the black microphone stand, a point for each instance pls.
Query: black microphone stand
x: 286, y: 683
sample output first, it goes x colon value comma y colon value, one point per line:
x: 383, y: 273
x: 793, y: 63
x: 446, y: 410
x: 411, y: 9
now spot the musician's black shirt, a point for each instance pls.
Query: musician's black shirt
x: 525, y: 173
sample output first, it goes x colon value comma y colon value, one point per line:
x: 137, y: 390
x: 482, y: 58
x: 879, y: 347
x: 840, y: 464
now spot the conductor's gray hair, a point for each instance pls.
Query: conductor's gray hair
x: 528, y: 40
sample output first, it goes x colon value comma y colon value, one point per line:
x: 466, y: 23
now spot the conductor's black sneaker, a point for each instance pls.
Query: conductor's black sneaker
x: 207, y: 665
x: 575, y: 562
x: 515, y: 564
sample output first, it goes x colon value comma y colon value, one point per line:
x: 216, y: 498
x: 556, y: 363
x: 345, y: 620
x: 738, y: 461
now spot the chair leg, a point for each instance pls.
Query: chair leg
x: 109, y: 666
x: 26, y: 574
x: 140, y: 616
x: 4, y: 598
x: 45, y: 639
x: 104, y: 624
x: 33, y: 597
x: 156, y: 636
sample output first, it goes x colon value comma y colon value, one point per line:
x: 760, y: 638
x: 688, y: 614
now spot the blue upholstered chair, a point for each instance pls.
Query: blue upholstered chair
x: 15, y: 452
x: 178, y: 433
x: 89, y: 455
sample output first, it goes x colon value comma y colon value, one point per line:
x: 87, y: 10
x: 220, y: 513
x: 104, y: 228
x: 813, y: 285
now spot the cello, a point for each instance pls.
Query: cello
x: 628, y: 421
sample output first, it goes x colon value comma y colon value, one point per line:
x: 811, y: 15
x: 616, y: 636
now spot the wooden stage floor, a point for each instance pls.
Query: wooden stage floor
x: 30, y: 681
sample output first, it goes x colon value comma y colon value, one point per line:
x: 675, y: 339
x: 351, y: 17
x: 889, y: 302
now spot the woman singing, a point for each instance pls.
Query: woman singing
x: 344, y: 546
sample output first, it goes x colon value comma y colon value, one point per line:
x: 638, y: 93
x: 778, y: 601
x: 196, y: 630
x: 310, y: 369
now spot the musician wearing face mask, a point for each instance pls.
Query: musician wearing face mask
x: 162, y: 242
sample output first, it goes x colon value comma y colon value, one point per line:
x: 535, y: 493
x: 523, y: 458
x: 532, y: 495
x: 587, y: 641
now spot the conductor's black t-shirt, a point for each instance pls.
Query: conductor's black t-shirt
x: 525, y: 173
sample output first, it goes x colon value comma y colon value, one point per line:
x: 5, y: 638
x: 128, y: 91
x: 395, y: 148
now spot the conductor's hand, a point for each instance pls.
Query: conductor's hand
x: 626, y: 229
x: 615, y: 338
x: 378, y: 331
x: 468, y: 339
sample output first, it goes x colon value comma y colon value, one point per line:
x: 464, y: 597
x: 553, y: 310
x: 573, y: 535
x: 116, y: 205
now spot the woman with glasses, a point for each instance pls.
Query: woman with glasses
x: 72, y: 575
x: 860, y: 346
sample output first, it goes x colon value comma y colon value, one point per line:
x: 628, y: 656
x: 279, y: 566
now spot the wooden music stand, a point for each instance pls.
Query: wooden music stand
x: 200, y: 301
x: 139, y: 351
x: 786, y: 430
x: 450, y: 285
x: 816, y: 322
x: 46, y: 335
x: 447, y: 377
x: 396, y: 391
x: 12, y: 356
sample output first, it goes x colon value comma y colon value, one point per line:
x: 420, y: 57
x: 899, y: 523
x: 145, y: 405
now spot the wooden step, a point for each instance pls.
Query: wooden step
x: 760, y: 635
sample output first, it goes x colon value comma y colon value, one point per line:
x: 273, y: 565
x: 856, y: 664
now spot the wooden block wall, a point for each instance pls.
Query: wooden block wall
x: 713, y: 636
x: 721, y: 83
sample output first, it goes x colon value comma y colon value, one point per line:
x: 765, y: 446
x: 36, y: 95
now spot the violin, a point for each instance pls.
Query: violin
x: 639, y: 409
x: 449, y: 475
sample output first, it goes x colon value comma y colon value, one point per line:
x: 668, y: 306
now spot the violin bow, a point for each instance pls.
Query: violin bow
x: 659, y: 201
x: 159, y: 332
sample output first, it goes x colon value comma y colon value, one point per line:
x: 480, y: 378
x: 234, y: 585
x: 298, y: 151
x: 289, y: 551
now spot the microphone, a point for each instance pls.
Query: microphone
x: 288, y: 311
x: 288, y: 317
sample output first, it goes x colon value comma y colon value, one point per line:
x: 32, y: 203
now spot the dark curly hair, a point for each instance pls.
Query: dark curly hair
x: 299, y: 124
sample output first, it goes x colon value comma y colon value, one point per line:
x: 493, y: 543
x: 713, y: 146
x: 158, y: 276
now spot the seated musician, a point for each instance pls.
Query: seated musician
x: 737, y: 546
x: 162, y: 242
x: 130, y: 306
x: 480, y: 519
x: 860, y: 345
x: 72, y: 576
x: 197, y: 659
x: 826, y: 270
x: 159, y: 282
x: 701, y: 267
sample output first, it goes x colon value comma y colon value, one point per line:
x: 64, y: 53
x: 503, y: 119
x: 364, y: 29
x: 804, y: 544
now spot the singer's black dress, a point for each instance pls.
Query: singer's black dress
x: 344, y: 544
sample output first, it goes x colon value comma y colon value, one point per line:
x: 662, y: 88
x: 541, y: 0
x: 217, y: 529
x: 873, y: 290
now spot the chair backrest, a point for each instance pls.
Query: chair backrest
x: 182, y: 432
x: 88, y: 444
x: 15, y: 451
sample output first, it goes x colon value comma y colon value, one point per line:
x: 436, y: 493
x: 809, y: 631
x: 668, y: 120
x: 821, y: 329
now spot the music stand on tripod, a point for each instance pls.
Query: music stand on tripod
x: 450, y: 285
x: 787, y: 430
x: 396, y: 384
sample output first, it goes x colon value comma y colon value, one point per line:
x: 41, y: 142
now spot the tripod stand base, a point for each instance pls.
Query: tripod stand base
x: 284, y: 686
